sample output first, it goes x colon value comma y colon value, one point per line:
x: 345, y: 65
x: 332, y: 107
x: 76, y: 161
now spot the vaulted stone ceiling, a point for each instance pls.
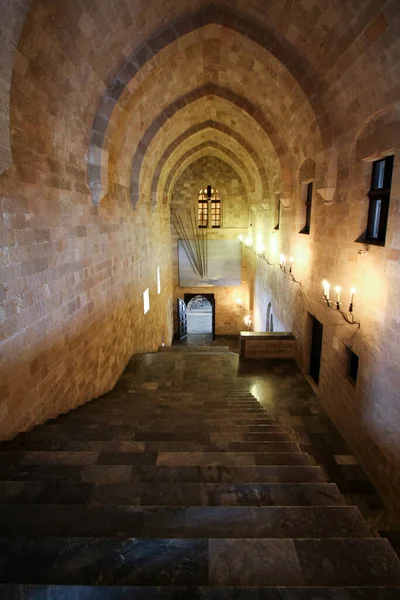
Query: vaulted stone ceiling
x: 129, y: 86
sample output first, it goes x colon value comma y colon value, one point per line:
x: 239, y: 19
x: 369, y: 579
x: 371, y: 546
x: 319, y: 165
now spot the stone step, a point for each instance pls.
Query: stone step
x: 63, y: 444
x: 158, y: 414
x: 158, y: 458
x: 182, y: 522
x: 67, y: 592
x: 150, y: 473
x: 196, y: 349
x: 165, y: 494
x: 198, y: 562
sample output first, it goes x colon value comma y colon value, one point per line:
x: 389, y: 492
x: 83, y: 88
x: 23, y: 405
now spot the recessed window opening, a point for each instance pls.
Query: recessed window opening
x: 379, y: 198
x: 146, y: 301
x: 158, y: 281
x: 279, y: 216
x: 353, y: 366
x: 308, y: 203
x: 209, y: 207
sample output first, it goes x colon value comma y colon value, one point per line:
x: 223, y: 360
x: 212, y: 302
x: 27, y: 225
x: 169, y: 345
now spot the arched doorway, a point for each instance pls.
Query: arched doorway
x: 199, y: 316
x: 198, y: 309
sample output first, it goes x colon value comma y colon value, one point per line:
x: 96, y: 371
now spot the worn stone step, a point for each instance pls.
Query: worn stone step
x: 226, y: 458
x: 125, y: 473
x: 155, y: 458
x: 165, y: 494
x: 195, y: 349
x: 199, y: 562
x: 63, y: 444
x: 182, y: 522
x: 67, y: 592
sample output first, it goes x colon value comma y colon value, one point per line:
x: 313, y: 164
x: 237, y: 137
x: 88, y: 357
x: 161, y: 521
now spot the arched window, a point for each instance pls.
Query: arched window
x: 209, y: 207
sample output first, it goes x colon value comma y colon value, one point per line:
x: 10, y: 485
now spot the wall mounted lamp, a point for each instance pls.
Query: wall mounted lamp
x: 336, y: 305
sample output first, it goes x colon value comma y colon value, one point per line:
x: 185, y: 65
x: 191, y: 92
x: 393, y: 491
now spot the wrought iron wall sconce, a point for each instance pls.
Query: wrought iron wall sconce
x: 347, y: 316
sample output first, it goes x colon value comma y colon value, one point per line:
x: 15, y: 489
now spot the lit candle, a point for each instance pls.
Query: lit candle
x: 290, y: 264
x: 324, y: 284
x: 291, y: 260
x: 352, y: 292
x: 327, y: 290
x: 240, y: 238
x: 337, y: 289
x: 239, y: 301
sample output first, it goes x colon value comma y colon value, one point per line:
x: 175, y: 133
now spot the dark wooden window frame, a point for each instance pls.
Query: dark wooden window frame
x: 308, y: 203
x: 212, y: 200
x: 379, y: 202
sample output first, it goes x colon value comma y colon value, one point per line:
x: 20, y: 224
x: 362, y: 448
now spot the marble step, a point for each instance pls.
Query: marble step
x: 65, y: 592
x: 165, y: 494
x: 195, y: 349
x: 149, y: 473
x: 198, y: 562
x: 63, y: 444
x: 182, y: 522
x: 158, y: 458
x: 174, y: 433
x: 160, y: 412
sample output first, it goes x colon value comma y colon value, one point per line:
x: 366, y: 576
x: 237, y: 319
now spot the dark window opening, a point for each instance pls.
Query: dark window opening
x: 353, y: 366
x: 379, y: 198
x: 306, y: 228
x: 279, y: 216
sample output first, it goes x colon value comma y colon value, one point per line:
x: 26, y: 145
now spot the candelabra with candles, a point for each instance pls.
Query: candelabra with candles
x: 287, y: 266
x: 349, y: 318
x: 259, y: 251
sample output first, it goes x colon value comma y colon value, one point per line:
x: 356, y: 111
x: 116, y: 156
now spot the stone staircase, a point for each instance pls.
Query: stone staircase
x: 179, y: 485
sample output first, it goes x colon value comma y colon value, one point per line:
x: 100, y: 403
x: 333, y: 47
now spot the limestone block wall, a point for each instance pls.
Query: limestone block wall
x: 71, y: 312
x: 204, y: 171
x: 263, y: 346
x: 210, y: 170
x: 368, y: 412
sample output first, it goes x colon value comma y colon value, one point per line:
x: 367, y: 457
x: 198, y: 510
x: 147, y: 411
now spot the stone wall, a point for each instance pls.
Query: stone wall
x: 213, y: 171
x: 368, y: 412
x: 72, y: 278
x: 264, y: 346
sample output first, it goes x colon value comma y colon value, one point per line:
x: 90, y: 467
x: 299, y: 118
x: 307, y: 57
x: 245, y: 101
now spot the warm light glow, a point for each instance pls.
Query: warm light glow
x: 239, y: 301
x: 291, y: 259
x: 282, y: 259
x: 248, y: 241
x: 146, y: 301
x: 158, y: 281
x: 260, y: 248
x: 240, y: 238
x: 274, y: 245
x: 247, y: 320
x: 337, y: 290
x: 353, y: 291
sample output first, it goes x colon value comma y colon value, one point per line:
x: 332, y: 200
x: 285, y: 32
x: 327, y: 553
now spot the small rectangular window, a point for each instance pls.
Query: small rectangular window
x: 279, y: 216
x: 379, y: 198
x: 306, y: 228
x: 146, y: 301
x: 353, y: 366
x: 158, y: 281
